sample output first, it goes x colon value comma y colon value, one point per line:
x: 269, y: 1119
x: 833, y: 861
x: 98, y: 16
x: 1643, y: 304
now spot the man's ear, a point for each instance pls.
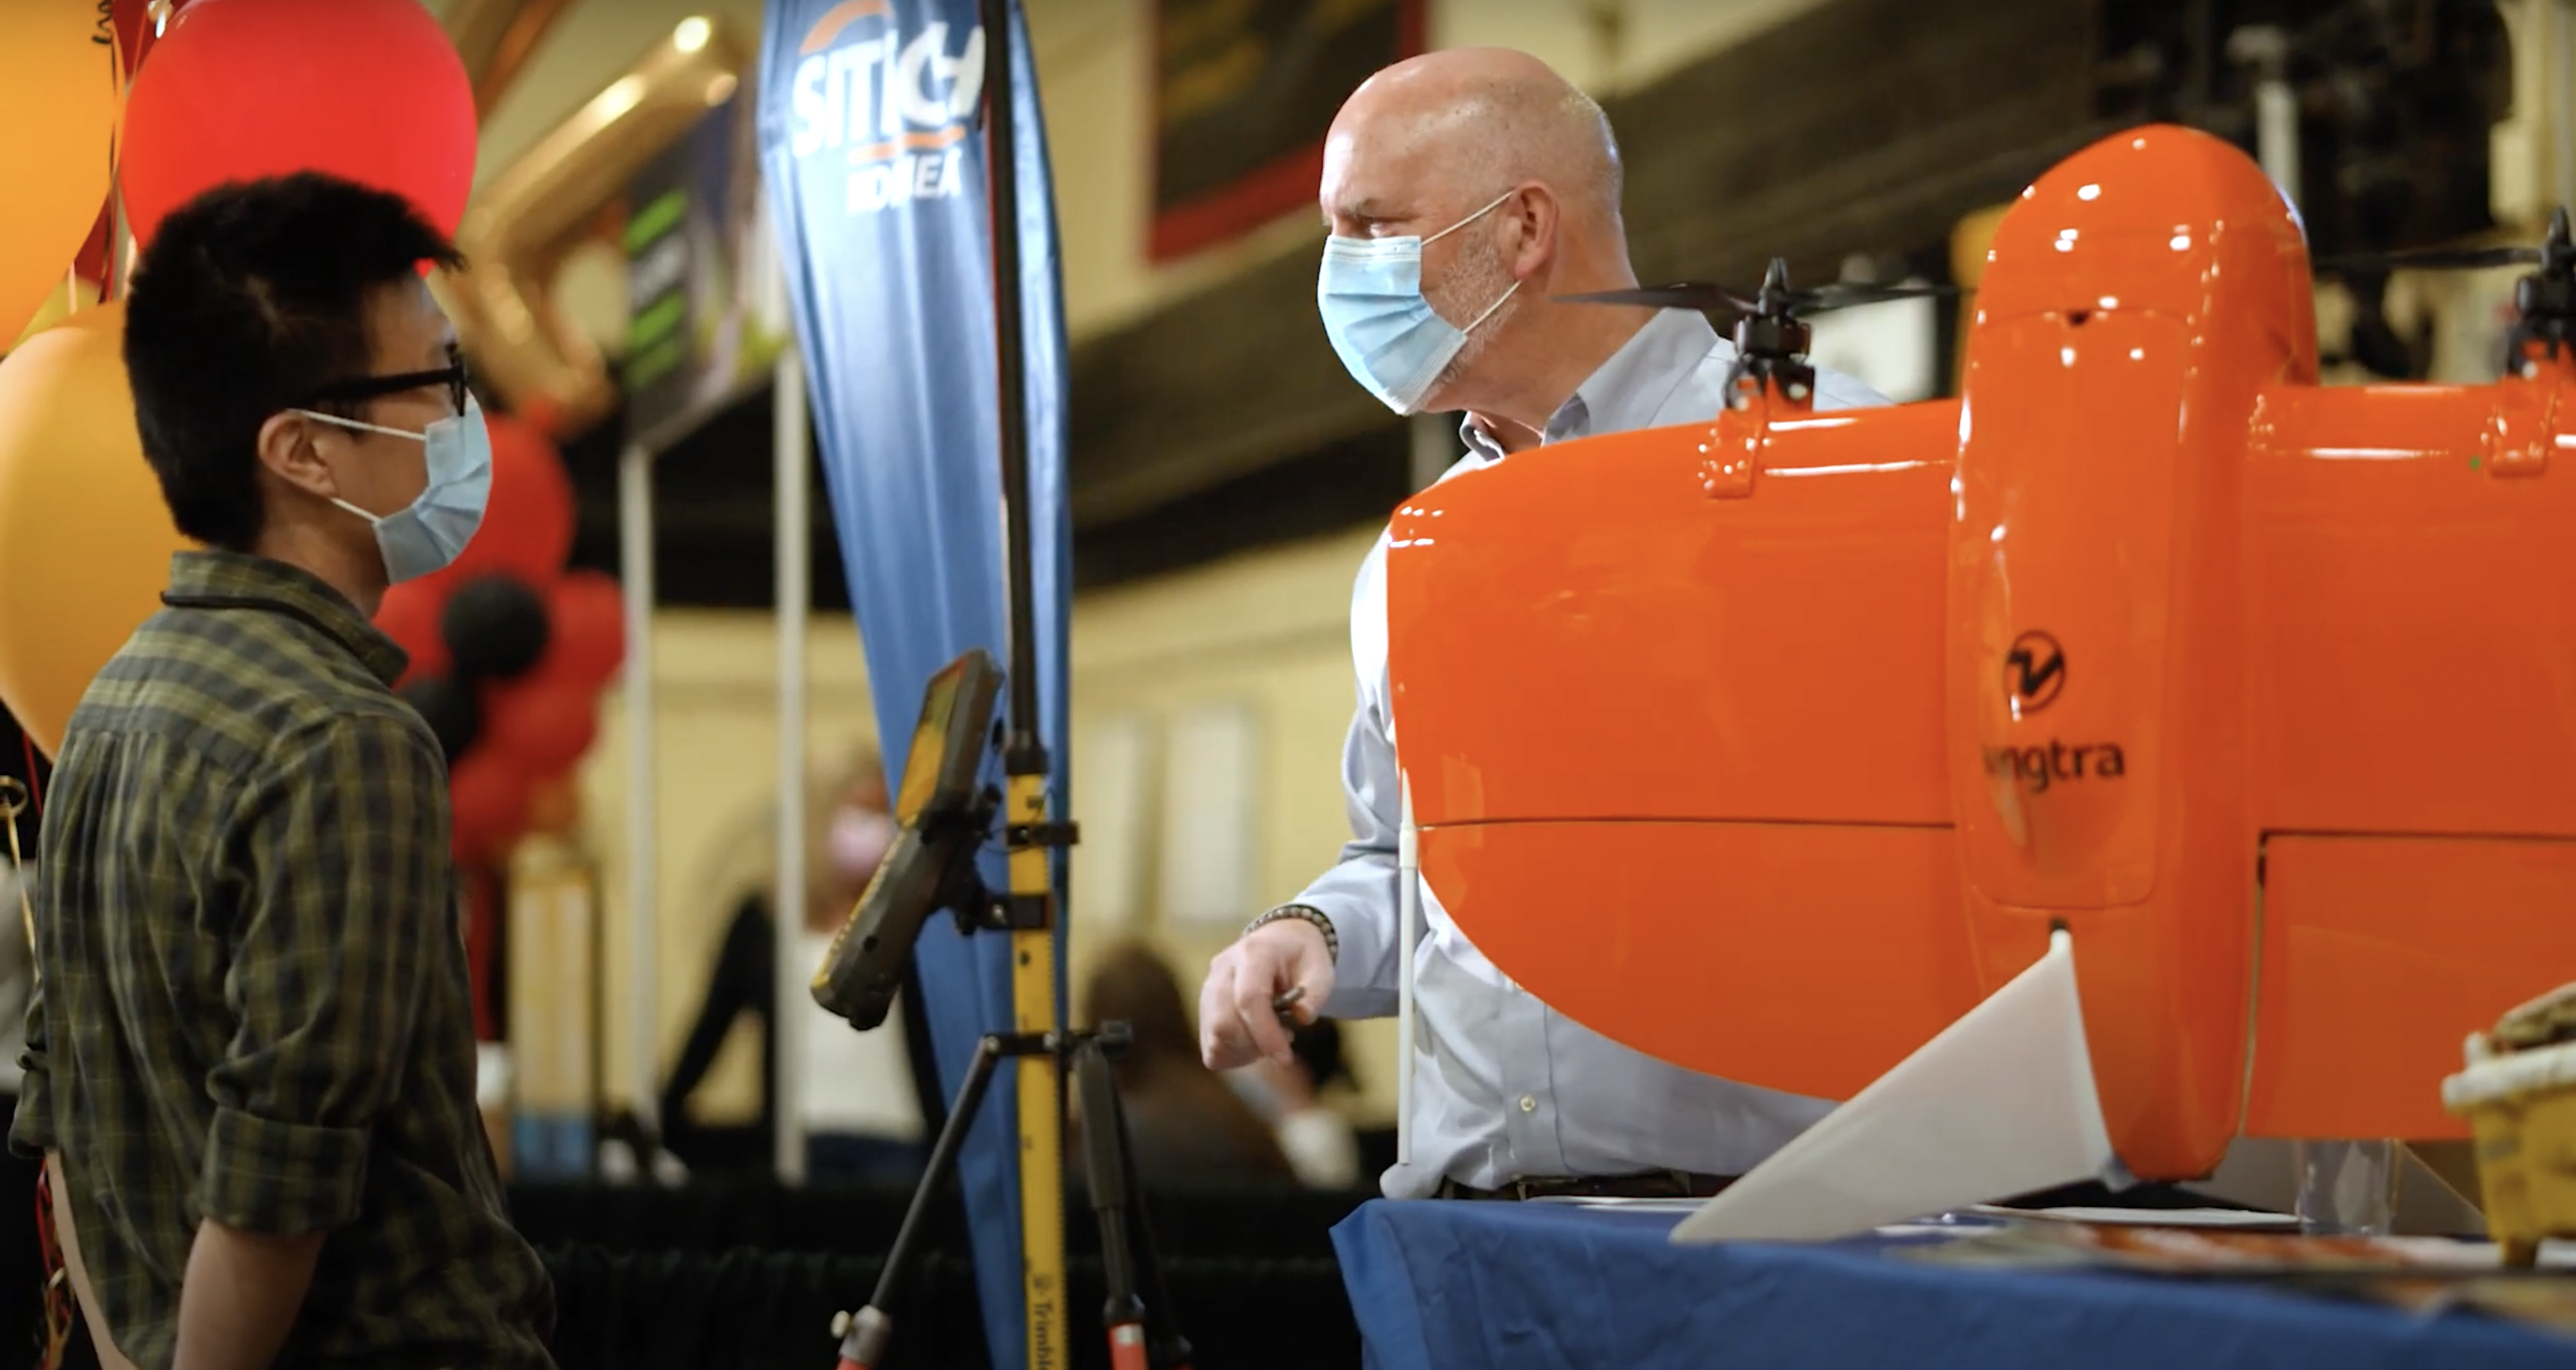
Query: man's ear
x: 286, y: 453
x: 1535, y: 214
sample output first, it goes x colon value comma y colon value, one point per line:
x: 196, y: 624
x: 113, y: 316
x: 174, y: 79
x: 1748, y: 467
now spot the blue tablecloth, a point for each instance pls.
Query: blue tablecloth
x: 1552, y: 1287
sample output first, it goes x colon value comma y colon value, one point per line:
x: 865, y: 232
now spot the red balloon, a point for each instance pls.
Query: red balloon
x: 367, y: 90
x: 489, y: 795
x: 409, y: 615
x: 585, y: 633
x: 541, y: 729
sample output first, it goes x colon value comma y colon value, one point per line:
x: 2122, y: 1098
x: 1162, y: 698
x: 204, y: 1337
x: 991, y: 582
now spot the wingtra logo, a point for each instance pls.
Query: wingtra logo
x: 896, y: 106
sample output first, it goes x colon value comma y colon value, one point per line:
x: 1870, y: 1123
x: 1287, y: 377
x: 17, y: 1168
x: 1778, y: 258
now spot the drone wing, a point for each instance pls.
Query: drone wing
x: 1678, y: 759
x: 2412, y: 603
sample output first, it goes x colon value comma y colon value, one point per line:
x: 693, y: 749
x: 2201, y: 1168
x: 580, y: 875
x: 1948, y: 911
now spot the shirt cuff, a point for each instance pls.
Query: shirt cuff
x: 1364, y: 978
x: 31, y: 1129
x: 284, y: 1179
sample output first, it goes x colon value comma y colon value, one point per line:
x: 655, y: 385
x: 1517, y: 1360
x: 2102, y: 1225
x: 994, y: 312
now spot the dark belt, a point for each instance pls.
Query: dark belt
x: 1654, y: 1184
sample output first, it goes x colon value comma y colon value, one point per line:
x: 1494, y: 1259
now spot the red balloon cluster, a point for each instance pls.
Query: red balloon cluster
x: 509, y: 651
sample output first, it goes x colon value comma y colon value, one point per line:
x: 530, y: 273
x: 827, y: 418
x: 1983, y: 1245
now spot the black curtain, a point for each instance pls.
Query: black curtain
x: 749, y: 1273
x: 772, y: 1310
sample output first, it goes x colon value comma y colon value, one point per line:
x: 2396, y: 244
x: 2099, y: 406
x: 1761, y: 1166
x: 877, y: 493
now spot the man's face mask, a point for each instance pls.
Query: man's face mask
x: 427, y: 535
x: 1388, y: 336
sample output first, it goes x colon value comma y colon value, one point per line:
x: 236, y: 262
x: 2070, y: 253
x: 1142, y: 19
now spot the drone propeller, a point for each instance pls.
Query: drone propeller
x: 2433, y: 259
x: 1815, y: 300
x: 2557, y: 252
x: 1774, y: 299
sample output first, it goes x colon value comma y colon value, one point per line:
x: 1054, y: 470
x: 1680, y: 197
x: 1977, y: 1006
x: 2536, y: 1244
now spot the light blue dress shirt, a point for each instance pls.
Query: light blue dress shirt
x: 1505, y: 1087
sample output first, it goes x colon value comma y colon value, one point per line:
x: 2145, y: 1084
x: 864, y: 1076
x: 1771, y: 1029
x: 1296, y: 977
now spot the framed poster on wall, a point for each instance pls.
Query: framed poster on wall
x: 1244, y: 93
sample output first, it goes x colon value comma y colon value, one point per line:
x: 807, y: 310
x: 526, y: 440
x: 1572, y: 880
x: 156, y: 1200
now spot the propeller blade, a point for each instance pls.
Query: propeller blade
x: 2433, y: 259
x: 1826, y: 297
x: 1679, y: 295
x: 1704, y: 296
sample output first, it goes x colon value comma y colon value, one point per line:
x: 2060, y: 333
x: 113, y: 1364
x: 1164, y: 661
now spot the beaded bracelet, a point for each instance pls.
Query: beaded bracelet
x: 1332, y: 939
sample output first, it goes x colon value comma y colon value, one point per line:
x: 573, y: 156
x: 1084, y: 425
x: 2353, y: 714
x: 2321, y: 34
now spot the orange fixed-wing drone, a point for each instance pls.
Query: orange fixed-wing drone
x: 1772, y: 746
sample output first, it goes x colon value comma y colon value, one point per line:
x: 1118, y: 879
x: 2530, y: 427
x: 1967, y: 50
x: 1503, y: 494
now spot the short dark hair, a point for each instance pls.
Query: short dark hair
x: 249, y: 298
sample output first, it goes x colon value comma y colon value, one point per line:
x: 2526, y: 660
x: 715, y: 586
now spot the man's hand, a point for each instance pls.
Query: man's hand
x: 1237, y: 1024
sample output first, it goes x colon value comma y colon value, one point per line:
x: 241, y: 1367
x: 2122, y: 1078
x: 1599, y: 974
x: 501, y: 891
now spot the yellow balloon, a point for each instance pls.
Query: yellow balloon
x: 60, y: 96
x: 85, y: 540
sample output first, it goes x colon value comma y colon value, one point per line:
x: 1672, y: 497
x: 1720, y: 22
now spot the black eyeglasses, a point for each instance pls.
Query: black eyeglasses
x: 451, y: 375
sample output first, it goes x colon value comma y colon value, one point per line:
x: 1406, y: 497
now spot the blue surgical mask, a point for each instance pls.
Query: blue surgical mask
x: 1389, y: 337
x: 427, y: 535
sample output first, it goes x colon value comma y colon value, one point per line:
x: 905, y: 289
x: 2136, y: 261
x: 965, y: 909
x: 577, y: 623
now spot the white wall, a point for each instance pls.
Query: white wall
x: 715, y: 734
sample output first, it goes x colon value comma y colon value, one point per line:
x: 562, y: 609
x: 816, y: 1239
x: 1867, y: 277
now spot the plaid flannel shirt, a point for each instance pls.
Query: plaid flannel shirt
x: 251, y: 1000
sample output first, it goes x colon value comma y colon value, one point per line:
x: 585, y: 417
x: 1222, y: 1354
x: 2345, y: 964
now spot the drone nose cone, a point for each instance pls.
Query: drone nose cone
x: 2157, y: 217
x: 2151, y: 179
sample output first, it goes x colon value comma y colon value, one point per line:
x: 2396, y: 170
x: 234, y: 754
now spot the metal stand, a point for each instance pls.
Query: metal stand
x: 1026, y: 908
x: 1033, y: 838
x: 1143, y: 1335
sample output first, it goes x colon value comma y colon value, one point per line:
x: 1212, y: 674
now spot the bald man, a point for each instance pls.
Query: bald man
x: 1465, y: 191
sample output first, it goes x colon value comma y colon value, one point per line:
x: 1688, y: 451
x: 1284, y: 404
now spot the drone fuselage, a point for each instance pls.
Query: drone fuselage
x: 1771, y: 745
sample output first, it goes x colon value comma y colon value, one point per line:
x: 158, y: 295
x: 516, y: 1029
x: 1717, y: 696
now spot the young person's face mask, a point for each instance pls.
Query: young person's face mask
x: 427, y: 535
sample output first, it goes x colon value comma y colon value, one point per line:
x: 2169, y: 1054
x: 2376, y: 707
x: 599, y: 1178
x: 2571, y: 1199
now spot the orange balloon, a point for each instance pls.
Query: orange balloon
x: 85, y: 541
x: 60, y: 93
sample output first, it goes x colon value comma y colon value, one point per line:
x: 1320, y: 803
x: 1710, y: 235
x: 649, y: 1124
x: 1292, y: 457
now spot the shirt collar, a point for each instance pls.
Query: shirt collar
x: 230, y: 580
x: 1628, y: 390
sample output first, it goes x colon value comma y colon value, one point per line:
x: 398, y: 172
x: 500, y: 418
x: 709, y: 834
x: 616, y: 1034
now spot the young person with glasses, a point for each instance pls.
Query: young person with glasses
x: 250, y: 1056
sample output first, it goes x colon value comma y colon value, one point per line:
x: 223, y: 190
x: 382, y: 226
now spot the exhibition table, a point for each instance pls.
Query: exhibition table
x: 1536, y: 1286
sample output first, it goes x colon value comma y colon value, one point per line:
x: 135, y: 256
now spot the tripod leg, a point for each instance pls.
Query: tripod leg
x: 863, y: 1344
x: 1165, y: 1347
x: 1104, y: 1155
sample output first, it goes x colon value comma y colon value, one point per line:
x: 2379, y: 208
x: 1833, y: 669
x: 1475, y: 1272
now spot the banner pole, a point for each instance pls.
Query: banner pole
x: 791, y: 1000
x: 643, y: 846
x: 1031, y: 906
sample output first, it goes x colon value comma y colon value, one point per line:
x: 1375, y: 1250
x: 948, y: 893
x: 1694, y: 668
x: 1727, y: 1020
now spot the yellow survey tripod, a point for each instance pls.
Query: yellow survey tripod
x: 946, y: 817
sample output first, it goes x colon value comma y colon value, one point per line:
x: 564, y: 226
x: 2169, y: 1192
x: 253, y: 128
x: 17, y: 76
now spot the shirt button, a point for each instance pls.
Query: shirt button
x: 1528, y: 1104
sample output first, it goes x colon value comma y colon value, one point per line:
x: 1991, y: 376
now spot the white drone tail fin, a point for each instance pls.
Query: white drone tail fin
x: 2002, y: 1102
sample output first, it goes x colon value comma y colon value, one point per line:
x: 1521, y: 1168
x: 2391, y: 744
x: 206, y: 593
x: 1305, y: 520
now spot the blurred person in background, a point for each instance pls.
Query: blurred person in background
x: 1295, y: 1097
x: 858, y: 1096
x: 1187, y: 1126
x: 1465, y: 191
